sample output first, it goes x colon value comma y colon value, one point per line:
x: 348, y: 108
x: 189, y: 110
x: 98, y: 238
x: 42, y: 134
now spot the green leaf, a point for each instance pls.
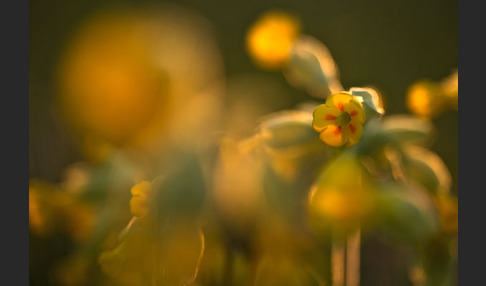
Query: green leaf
x: 182, y: 189
x: 428, y: 169
x: 406, y: 213
x: 372, y: 103
x: 288, y: 129
x: 406, y: 129
x: 312, y: 67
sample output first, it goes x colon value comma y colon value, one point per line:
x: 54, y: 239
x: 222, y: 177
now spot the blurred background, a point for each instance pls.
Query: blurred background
x: 385, y: 44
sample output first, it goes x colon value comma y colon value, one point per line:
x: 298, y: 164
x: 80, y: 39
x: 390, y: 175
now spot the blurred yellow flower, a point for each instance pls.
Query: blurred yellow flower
x: 130, y: 79
x: 428, y: 99
x: 424, y: 99
x: 450, y: 88
x: 52, y: 208
x: 339, y: 120
x: 447, y: 206
x: 343, y: 196
x: 338, y: 205
x: 37, y: 219
x: 270, y: 39
x: 140, y: 196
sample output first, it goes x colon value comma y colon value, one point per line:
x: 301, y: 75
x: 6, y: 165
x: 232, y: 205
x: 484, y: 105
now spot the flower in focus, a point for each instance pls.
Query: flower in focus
x: 270, y: 39
x: 139, y: 201
x: 339, y: 120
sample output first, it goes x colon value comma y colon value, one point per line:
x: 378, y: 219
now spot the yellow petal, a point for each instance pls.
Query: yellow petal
x: 139, y: 200
x: 336, y: 205
x: 141, y: 189
x: 331, y: 136
x: 339, y: 100
x: 324, y: 115
x: 353, y: 131
x: 138, y: 206
x: 355, y: 109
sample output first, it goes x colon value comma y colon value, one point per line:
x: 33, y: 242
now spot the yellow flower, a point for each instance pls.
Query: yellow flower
x: 343, y: 196
x: 336, y: 205
x: 131, y: 79
x: 270, y: 39
x: 339, y: 120
x: 425, y: 99
x: 37, y: 218
x: 447, y: 206
x: 140, y: 196
x: 450, y: 89
x: 429, y: 99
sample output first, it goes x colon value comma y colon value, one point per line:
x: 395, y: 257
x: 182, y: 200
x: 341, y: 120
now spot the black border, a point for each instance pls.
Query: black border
x: 15, y: 89
x: 471, y: 147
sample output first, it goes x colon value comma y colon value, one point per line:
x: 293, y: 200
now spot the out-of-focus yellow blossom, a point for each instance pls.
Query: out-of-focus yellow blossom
x: 450, y: 88
x: 76, y: 178
x: 37, y: 219
x: 429, y: 99
x: 448, y: 212
x: 341, y: 206
x: 54, y: 208
x: 343, y: 196
x: 132, y: 79
x: 140, y: 199
x: 424, y: 99
x: 340, y: 210
x: 47, y: 205
x: 339, y: 120
x: 270, y: 39
x: 110, y: 88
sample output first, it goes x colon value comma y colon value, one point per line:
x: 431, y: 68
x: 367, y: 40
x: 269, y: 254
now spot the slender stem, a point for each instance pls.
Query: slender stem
x: 338, y: 261
x: 201, y: 254
x: 353, y: 244
x: 353, y: 259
